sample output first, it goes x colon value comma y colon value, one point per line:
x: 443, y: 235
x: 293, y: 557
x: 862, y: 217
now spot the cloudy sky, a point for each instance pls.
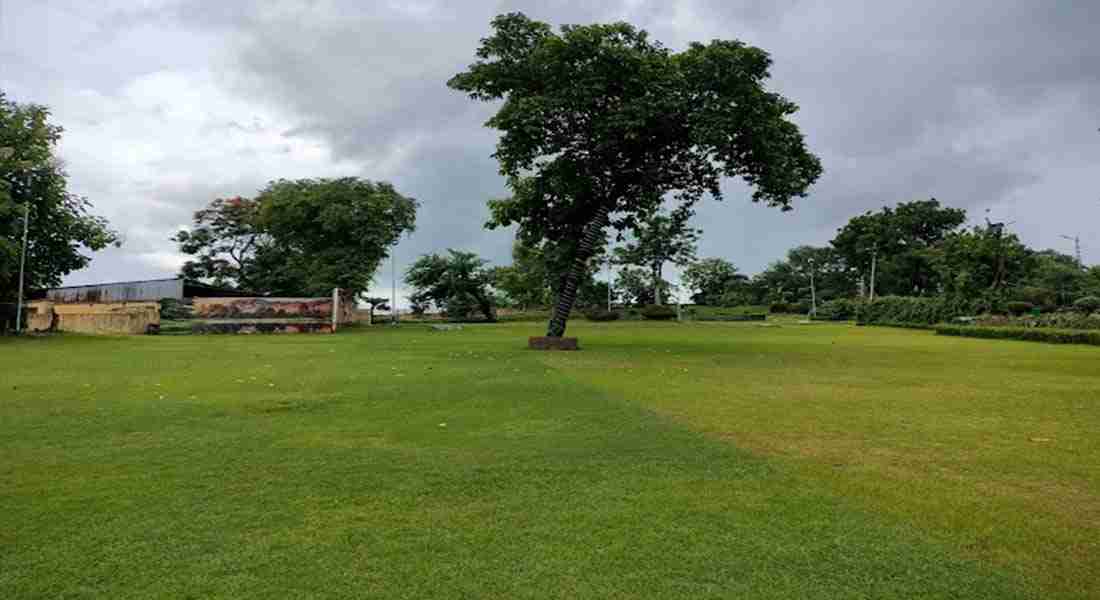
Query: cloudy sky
x: 986, y: 104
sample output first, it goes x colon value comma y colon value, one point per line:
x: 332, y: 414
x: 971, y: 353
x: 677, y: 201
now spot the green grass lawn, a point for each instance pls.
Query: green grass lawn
x: 706, y: 460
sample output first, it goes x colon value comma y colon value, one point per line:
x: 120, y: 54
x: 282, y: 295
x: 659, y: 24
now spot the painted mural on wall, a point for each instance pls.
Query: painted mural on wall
x: 263, y: 308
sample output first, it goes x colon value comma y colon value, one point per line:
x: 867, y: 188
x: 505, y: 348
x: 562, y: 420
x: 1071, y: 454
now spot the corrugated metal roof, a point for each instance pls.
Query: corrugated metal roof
x: 122, y: 291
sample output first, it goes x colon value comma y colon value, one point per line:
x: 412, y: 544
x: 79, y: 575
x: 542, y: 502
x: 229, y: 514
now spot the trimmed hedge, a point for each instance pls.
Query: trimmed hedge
x: 659, y: 312
x: 923, y: 310
x: 841, y: 309
x: 1029, y: 334
x: 1088, y: 304
x: 830, y: 318
x: 602, y: 315
x: 1064, y: 319
x: 759, y: 317
x: 899, y: 325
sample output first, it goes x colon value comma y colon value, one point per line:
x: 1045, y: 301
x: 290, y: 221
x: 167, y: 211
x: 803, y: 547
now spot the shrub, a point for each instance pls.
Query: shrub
x: 172, y: 309
x: 778, y: 308
x: 1044, y: 298
x: 602, y: 315
x: 840, y: 309
x: 745, y: 317
x: 1030, y: 334
x: 1088, y: 304
x: 1018, y: 308
x: 1056, y: 320
x: 658, y: 312
x: 924, y: 310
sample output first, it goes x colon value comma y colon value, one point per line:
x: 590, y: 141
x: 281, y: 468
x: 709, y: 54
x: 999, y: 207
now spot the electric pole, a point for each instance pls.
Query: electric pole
x: 874, y: 262
x: 608, y: 265
x: 393, y: 285
x: 813, y: 291
x: 1076, y: 247
x: 22, y: 268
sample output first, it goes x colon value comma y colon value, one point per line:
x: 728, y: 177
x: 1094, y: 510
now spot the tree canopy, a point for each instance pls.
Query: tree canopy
x: 903, y: 238
x: 713, y: 281
x: 457, y: 283
x: 61, y: 229
x: 661, y: 238
x: 599, y: 123
x: 300, y: 237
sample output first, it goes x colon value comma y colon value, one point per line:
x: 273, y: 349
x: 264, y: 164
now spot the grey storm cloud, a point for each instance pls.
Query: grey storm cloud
x: 983, y: 105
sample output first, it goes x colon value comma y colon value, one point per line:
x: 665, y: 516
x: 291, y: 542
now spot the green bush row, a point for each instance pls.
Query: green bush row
x: 899, y: 324
x: 602, y: 315
x: 757, y: 317
x: 1030, y: 334
x: 659, y: 312
x: 923, y: 310
x: 1063, y: 319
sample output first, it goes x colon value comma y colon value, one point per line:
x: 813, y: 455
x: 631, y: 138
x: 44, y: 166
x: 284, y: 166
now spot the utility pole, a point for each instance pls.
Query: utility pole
x: 393, y: 289
x: 22, y: 268
x: 813, y: 291
x: 874, y: 263
x: 1076, y: 247
x: 608, y: 266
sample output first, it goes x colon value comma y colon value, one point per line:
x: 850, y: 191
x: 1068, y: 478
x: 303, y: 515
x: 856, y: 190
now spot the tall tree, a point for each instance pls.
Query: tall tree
x: 458, y: 284
x: 901, y: 239
x: 660, y: 239
x: 983, y: 262
x: 635, y: 286
x: 525, y: 282
x: 60, y: 230
x: 1090, y: 286
x: 788, y: 280
x: 224, y: 241
x: 1060, y: 274
x: 603, y: 123
x: 300, y: 237
x: 534, y: 277
x: 713, y: 281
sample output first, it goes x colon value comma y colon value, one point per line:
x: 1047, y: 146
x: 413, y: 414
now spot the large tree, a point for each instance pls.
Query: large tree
x: 984, y: 262
x: 534, y: 278
x: 1059, y: 275
x: 661, y: 238
x: 901, y: 241
x: 61, y: 230
x: 600, y: 124
x: 635, y: 286
x: 714, y: 281
x: 223, y: 243
x: 788, y: 280
x: 526, y: 282
x: 302, y: 237
x: 458, y: 284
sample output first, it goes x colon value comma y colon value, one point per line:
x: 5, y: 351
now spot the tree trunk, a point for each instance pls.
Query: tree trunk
x: 568, y: 294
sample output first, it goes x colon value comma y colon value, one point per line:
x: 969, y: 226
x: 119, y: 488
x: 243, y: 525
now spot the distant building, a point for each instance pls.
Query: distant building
x: 150, y: 290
